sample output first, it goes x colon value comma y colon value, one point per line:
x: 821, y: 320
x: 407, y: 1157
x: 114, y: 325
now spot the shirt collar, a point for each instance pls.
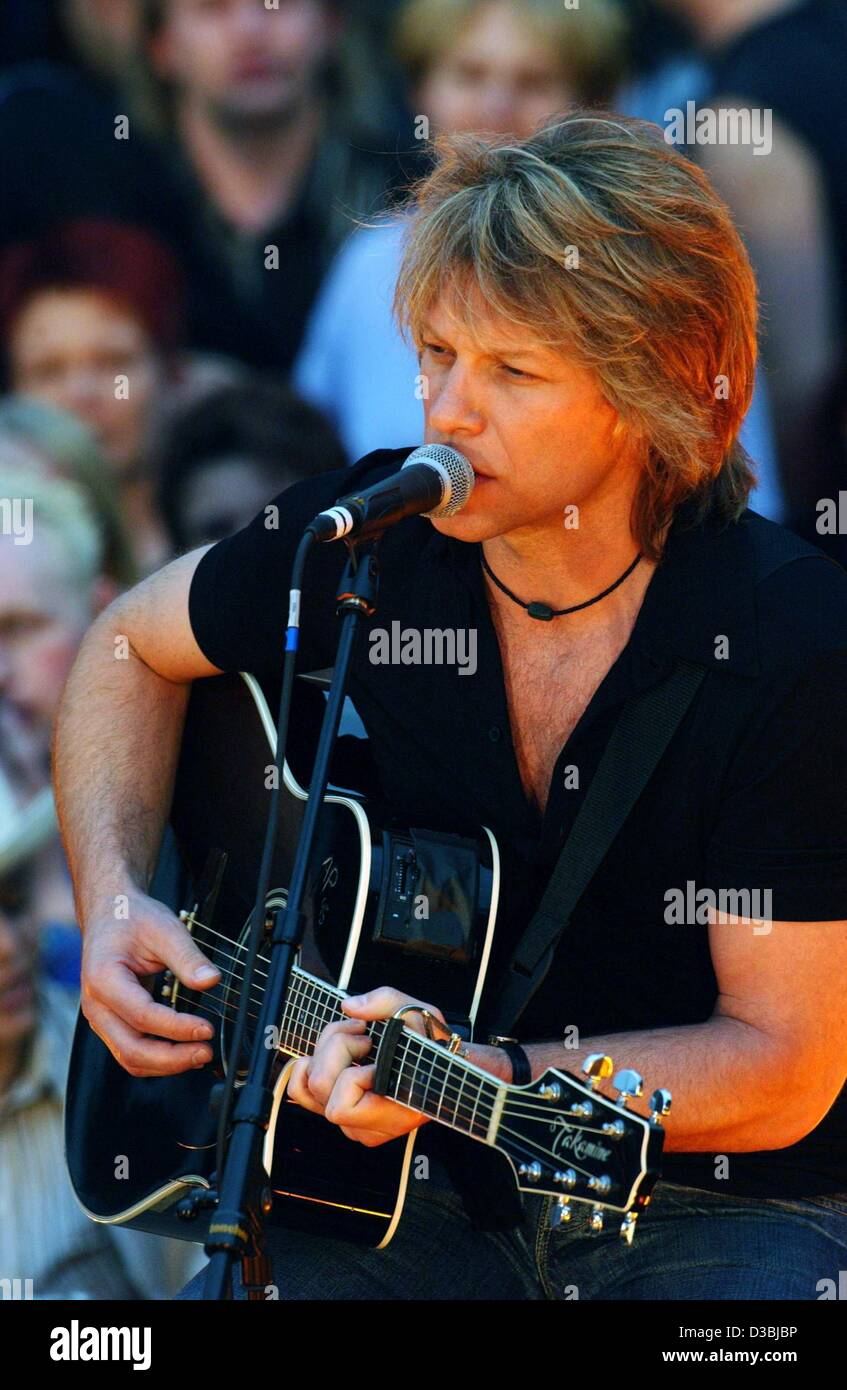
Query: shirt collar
x: 700, y: 603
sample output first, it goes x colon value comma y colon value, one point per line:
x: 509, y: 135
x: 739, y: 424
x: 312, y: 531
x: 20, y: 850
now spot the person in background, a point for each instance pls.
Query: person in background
x: 36, y: 435
x: 50, y: 593
x: 268, y: 140
x: 500, y: 67
x: 91, y: 322
x: 45, y: 1236
x: 228, y: 453
x: 786, y: 58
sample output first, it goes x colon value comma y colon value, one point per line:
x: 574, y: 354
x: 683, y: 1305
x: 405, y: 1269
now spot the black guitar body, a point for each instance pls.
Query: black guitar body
x: 136, y: 1146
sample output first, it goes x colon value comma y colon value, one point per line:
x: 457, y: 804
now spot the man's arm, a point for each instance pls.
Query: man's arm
x: 759, y: 1074
x: 115, y: 752
x: 763, y: 1071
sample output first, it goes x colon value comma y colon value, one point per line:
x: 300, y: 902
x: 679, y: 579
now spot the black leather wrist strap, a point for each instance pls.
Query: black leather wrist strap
x: 521, y: 1070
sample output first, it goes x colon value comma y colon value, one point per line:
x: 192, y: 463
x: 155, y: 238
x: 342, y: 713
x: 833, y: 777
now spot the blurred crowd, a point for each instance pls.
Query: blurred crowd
x: 200, y: 231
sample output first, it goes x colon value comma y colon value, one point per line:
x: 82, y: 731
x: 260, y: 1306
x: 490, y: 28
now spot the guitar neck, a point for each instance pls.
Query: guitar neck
x: 424, y: 1076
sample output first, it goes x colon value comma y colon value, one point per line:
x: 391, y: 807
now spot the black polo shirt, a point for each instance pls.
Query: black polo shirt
x: 748, y: 796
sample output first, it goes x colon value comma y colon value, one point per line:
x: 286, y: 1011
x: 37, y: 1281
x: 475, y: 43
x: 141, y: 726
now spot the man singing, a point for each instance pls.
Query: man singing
x: 585, y: 315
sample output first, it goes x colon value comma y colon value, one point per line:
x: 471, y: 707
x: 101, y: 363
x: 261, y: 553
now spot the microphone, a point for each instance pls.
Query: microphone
x: 435, y: 480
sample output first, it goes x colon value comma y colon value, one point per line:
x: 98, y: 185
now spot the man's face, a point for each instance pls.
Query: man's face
x: 18, y: 958
x: 73, y: 348
x: 498, y: 79
x: 242, y: 61
x: 533, y: 424
x: 43, y: 619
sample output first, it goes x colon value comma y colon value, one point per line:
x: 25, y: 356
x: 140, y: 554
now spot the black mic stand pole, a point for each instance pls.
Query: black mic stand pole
x: 235, y: 1230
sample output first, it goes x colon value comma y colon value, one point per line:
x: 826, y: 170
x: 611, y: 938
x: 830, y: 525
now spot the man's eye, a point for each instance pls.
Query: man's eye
x: 513, y: 371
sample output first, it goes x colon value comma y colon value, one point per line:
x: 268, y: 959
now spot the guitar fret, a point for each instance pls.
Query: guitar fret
x: 443, y: 1088
x: 475, y: 1108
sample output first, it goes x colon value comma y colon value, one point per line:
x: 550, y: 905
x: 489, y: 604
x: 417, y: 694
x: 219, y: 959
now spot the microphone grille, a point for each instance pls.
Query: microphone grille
x: 456, y: 473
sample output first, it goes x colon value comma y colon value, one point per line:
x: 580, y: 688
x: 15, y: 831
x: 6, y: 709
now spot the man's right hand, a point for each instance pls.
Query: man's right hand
x: 117, y: 956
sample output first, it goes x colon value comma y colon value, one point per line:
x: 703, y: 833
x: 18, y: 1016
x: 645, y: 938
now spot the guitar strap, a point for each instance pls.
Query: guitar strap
x: 643, y: 731
x: 640, y: 737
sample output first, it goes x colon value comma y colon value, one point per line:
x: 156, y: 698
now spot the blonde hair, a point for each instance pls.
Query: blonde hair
x: 60, y: 508
x: 603, y: 243
x: 589, y: 42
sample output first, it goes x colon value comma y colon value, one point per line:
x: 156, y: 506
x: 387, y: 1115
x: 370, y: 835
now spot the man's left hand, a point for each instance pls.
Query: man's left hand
x: 337, y: 1083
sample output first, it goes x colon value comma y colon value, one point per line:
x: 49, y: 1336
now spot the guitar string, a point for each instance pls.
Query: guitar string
x: 530, y: 1147
x: 440, y: 1069
x: 446, y: 1110
x: 526, y: 1108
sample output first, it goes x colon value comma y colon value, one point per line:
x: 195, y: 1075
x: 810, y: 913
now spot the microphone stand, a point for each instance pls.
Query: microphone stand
x: 236, y: 1228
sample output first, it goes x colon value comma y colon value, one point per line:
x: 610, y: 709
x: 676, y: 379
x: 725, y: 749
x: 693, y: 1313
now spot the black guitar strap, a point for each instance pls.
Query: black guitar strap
x: 640, y: 737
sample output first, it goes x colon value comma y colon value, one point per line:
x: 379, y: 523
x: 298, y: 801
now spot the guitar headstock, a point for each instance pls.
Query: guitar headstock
x: 567, y: 1140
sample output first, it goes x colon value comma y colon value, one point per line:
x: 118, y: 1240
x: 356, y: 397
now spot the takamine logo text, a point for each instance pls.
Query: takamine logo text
x: 82, y: 1343
x: 575, y: 1141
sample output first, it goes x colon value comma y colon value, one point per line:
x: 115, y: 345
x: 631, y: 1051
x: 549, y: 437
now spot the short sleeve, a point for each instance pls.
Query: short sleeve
x: 238, y: 598
x: 782, y: 820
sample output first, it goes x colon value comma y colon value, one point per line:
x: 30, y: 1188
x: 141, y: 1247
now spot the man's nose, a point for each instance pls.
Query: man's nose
x: 452, y: 407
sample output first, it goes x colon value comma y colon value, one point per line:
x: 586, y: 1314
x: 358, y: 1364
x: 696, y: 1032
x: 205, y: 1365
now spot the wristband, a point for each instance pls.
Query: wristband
x: 521, y: 1070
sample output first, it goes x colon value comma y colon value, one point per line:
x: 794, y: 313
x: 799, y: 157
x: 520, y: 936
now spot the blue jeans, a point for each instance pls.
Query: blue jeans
x: 688, y: 1245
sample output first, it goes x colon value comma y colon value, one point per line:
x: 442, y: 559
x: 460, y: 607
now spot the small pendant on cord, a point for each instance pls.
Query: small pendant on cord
x: 542, y: 611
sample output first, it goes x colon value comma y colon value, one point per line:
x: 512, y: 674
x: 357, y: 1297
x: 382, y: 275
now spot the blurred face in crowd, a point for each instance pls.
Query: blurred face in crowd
x: 72, y: 348
x: 105, y: 32
x: 18, y: 958
x: 43, y: 619
x: 499, y: 79
x: 242, y: 62
x: 225, y: 494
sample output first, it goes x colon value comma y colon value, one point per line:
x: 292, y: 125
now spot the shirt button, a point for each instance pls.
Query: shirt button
x: 495, y: 733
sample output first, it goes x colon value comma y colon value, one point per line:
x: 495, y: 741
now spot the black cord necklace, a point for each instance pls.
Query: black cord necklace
x: 543, y: 611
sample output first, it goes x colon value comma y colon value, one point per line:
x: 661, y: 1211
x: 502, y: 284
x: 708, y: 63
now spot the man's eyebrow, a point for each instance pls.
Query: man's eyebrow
x: 492, y: 350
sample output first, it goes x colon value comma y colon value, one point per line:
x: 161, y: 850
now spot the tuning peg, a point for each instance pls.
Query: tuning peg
x: 597, y: 1067
x: 595, y: 1222
x: 602, y: 1184
x: 560, y: 1212
x: 660, y: 1104
x: 530, y: 1171
x: 581, y: 1109
x: 567, y: 1178
x: 628, y: 1084
x: 628, y: 1227
x: 553, y: 1092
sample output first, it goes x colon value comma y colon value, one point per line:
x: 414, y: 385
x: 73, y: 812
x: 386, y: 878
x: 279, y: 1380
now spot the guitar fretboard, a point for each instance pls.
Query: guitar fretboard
x: 423, y: 1074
